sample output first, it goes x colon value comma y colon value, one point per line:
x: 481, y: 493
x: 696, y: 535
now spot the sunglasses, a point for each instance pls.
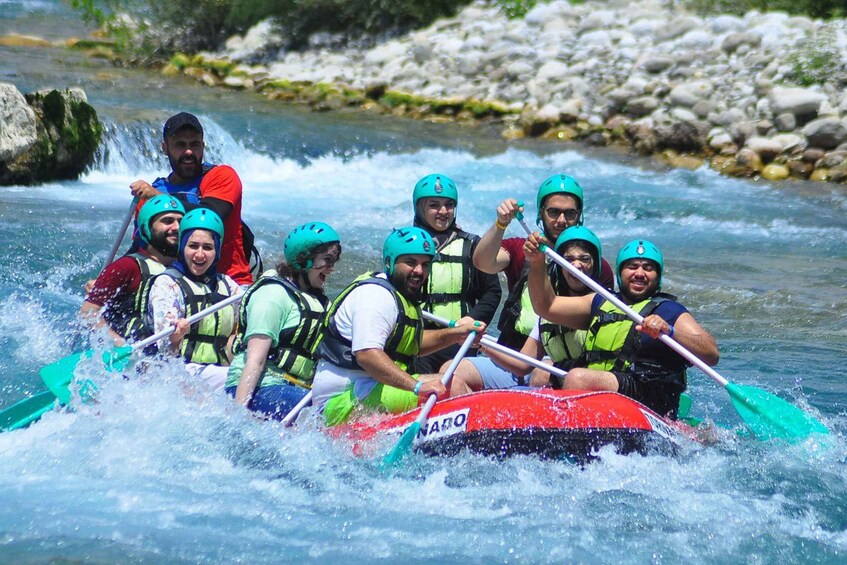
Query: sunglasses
x: 571, y: 214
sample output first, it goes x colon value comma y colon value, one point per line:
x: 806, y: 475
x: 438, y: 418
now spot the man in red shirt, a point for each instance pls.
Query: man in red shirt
x: 113, y: 300
x: 201, y: 185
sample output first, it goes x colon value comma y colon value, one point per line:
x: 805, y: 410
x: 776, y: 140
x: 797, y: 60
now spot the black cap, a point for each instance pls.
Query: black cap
x: 181, y: 120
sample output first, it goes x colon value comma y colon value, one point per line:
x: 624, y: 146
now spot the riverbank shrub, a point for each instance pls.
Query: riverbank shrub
x: 812, y: 8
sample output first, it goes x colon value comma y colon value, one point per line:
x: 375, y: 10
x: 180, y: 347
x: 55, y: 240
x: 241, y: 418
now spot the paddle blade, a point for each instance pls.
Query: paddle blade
x: 404, y: 445
x: 59, y: 375
x: 27, y: 411
x: 770, y: 417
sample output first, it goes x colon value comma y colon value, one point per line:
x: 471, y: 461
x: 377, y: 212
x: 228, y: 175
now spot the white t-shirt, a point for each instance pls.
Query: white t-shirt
x: 366, y: 317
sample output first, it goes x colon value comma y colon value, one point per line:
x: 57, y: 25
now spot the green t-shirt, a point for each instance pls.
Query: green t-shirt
x: 269, y: 311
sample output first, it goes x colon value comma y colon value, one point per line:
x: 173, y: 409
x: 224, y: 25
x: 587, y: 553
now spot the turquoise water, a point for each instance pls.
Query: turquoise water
x: 158, y: 472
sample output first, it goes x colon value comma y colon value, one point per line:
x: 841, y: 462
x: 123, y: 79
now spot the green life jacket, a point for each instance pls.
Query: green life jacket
x: 564, y: 345
x: 518, y: 318
x: 612, y: 343
x: 450, y: 278
x: 206, y: 341
x: 132, y: 326
x: 295, y: 354
x: 403, y: 343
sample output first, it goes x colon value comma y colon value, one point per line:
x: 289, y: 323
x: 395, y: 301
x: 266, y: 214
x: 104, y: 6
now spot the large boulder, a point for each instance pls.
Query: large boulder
x: 17, y: 123
x: 67, y: 136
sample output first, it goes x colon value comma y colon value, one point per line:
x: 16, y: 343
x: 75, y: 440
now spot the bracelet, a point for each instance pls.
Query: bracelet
x: 499, y: 225
x: 418, y: 386
x: 670, y: 333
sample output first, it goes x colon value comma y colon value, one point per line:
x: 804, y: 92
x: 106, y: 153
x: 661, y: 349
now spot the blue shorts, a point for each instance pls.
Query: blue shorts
x: 274, y: 401
x: 494, y: 377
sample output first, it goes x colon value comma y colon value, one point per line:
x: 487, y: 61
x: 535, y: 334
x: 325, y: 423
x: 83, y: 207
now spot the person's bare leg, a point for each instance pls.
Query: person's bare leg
x: 466, y: 378
x: 590, y: 379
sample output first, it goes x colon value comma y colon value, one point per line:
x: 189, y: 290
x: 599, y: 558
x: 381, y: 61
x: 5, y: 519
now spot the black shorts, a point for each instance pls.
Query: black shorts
x: 661, y: 397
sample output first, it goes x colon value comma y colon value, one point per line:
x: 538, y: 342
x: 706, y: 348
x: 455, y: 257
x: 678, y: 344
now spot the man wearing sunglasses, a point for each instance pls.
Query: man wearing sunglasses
x: 559, y: 203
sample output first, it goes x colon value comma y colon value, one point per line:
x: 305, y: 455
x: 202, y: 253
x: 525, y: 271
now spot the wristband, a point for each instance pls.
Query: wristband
x: 418, y: 386
x: 670, y: 333
x: 499, y: 225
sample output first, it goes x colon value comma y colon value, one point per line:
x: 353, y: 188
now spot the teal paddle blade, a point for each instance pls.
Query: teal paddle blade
x: 59, y: 375
x: 403, y: 446
x: 770, y: 417
x: 684, y: 406
x: 117, y: 359
x: 27, y: 411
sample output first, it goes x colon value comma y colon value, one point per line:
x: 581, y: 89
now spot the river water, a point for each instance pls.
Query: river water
x: 157, y: 472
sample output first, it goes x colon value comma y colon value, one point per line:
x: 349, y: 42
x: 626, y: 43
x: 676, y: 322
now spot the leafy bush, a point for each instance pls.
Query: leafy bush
x: 816, y: 59
x: 812, y: 8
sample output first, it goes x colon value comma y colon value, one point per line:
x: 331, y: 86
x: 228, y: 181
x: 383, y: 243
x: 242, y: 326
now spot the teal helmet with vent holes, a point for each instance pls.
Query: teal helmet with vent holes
x: 434, y: 186
x: 583, y: 235
x: 161, y: 204
x: 305, y: 237
x: 559, y: 184
x: 640, y: 249
x: 406, y: 241
x: 202, y: 219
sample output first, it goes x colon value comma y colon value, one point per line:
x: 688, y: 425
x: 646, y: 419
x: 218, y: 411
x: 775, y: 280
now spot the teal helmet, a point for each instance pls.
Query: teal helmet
x: 305, y: 237
x: 434, y: 186
x: 585, y: 235
x: 559, y: 184
x: 201, y: 219
x: 406, y: 241
x: 160, y: 204
x: 639, y: 249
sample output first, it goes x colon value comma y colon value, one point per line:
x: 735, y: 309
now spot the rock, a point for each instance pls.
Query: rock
x: 831, y: 160
x: 789, y: 141
x: 813, y: 155
x: 682, y: 137
x: 68, y: 134
x: 785, y: 122
x: 688, y: 94
x: 775, y: 171
x: 17, y: 40
x: 766, y: 148
x: 733, y: 41
x: 800, y: 168
x: 801, y: 102
x: 656, y: 64
x: 643, y: 137
x: 17, y: 123
x: 826, y: 133
x: 642, y: 106
x: 749, y: 159
x: 677, y: 27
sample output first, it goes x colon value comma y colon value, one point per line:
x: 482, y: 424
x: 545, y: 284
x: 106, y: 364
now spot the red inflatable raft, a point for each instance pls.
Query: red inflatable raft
x: 554, y: 424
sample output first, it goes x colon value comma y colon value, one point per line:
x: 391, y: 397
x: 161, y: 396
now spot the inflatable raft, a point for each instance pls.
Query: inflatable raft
x: 553, y: 424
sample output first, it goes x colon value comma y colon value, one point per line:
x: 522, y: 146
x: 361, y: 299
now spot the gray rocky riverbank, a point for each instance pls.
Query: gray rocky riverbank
x: 755, y: 95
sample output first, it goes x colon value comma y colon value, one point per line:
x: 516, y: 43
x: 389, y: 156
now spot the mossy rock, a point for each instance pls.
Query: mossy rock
x: 775, y: 171
x: 180, y: 61
x: 395, y: 99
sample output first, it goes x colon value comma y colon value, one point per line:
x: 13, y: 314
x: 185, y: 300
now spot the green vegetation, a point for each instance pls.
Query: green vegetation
x: 816, y: 59
x: 812, y: 8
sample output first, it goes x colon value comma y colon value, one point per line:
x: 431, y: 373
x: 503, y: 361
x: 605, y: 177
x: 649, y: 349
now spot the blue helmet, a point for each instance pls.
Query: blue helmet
x: 640, y: 249
x: 583, y: 235
x: 160, y: 204
x: 406, y: 241
x: 305, y: 237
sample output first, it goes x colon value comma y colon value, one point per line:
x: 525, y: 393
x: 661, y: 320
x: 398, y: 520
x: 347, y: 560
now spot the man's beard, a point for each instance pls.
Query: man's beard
x: 186, y: 170
x: 159, y: 241
x: 401, y: 284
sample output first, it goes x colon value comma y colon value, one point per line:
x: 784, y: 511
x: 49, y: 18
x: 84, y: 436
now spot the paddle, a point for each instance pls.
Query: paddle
x: 115, y: 246
x: 291, y: 416
x: 766, y: 415
x: 27, y: 411
x: 405, y: 443
x: 57, y: 376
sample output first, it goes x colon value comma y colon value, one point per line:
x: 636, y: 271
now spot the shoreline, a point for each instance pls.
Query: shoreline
x: 640, y: 81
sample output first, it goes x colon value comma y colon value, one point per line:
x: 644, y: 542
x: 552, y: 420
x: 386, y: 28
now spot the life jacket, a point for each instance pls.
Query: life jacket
x: 189, y: 193
x: 403, y: 343
x: 133, y: 326
x: 564, y: 345
x: 450, y: 278
x: 206, y: 341
x: 612, y: 343
x: 518, y: 318
x: 295, y: 353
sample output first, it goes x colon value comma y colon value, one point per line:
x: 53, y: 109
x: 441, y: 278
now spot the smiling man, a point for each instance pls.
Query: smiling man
x: 374, y: 332
x: 620, y: 355
x: 200, y: 184
x: 113, y: 300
